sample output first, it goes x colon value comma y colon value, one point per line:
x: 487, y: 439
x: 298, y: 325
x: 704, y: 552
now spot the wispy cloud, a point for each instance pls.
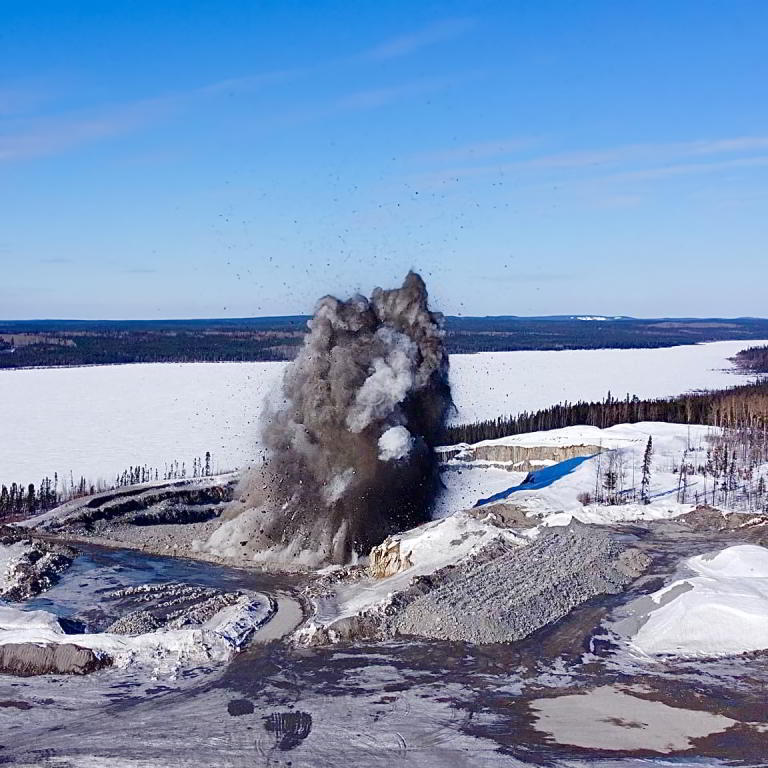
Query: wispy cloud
x: 378, y: 97
x: 50, y: 135
x: 688, y: 169
x: 650, y: 152
x: 628, y: 162
x: 481, y: 150
x: 438, y: 32
x: 54, y: 133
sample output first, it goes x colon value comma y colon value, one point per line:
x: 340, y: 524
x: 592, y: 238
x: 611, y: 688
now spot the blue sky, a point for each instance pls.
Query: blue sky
x: 224, y: 159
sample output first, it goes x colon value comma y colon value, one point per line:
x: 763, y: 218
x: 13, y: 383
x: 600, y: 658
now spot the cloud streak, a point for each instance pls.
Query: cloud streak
x: 404, y: 45
x: 50, y: 135
x: 635, y: 162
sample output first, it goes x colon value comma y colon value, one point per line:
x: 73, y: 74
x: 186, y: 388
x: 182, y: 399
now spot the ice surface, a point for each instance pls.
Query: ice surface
x: 611, y: 719
x: 97, y: 421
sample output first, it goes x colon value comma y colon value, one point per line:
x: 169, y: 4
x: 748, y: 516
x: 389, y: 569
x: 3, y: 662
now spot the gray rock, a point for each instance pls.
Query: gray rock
x: 506, y: 593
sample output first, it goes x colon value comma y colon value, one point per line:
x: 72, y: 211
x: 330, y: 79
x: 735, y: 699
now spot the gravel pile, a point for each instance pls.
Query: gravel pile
x: 503, y: 593
x: 509, y: 592
x: 168, y: 606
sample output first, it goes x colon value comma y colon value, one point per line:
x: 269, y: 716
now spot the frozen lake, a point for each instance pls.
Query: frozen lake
x: 97, y: 421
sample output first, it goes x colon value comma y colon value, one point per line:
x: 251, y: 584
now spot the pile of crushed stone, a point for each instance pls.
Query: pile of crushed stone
x: 501, y: 594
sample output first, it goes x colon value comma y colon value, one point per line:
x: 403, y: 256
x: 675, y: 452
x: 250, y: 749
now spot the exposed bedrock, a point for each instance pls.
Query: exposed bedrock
x: 29, y: 659
x: 519, y: 456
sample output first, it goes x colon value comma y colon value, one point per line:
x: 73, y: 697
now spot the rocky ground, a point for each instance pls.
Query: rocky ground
x: 508, y: 592
x: 165, y: 518
x: 502, y: 593
x: 28, y: 564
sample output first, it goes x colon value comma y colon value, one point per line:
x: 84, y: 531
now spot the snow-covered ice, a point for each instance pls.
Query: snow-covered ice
x: 612, y: 719
x: 489, y: 384
x: 97, y: 421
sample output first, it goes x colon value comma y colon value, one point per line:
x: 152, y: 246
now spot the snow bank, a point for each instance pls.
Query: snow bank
x: 10, y: 556
x: 722, y: 611
x: 216, y: 640
x: 560, y: 499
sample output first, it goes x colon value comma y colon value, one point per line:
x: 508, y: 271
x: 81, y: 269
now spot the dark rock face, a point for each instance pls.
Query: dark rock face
x: 175, y: 503
x: 30, y: 659
x: 38, y: 568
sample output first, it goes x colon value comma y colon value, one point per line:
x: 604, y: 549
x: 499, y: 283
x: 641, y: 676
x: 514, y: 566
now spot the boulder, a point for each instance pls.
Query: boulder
x: 30, y: 659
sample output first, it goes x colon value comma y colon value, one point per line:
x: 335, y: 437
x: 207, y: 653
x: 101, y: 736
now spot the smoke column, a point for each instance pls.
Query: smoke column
x: 349, y: 437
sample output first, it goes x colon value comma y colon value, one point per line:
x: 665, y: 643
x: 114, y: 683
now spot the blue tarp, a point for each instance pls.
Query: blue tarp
x: 539, y: 478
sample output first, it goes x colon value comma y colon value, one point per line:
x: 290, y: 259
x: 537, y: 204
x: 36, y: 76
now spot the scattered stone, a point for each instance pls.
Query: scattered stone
x: 36, y: 566
x: 504, y: 515
x: 136, y: 623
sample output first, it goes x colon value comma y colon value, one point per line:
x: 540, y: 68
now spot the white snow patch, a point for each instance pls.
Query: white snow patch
x: 608, y: 718
x: 560, y: 502
x: 10, y: 555
x: 722, y: 611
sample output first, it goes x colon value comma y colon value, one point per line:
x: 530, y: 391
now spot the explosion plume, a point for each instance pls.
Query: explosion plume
x: 349, y: 438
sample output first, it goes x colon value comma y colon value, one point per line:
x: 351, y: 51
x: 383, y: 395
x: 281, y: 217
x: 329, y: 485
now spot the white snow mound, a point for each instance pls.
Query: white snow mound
x: 722, y: 611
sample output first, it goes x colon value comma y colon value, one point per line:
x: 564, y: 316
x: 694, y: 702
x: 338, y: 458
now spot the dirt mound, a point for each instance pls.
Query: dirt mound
x: 30, y: 659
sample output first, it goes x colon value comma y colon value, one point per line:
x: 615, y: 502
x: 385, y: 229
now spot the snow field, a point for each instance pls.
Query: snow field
x: 561, y: 501
x: 98, y: 421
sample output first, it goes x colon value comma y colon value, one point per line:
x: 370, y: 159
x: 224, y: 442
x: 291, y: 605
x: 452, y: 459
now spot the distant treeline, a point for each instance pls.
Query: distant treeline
x: 112, y: 347
x: 753, y: 359
x: 78, y: 342
x: 741, y: 406
x: 17, y: 500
